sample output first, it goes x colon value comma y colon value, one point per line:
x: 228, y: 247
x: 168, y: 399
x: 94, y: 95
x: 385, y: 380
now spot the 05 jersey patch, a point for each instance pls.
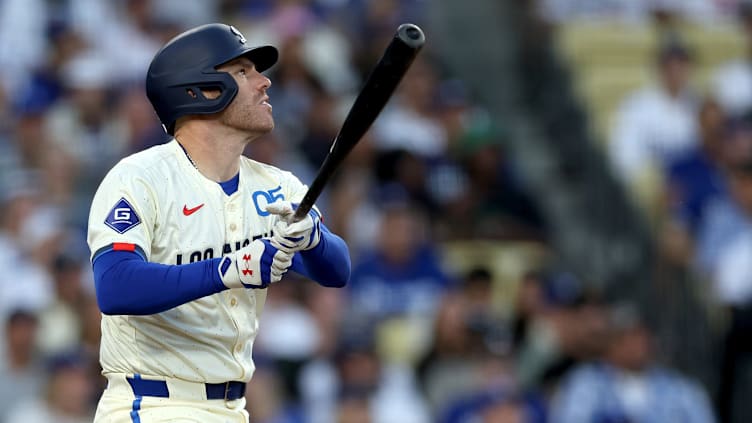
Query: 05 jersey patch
x: 122, y: 217
x: 266, y: 197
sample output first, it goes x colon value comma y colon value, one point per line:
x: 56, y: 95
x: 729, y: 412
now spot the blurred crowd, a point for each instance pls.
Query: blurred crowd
x: 413, y: 338
x: 683, y: 148
x: 706, y: 12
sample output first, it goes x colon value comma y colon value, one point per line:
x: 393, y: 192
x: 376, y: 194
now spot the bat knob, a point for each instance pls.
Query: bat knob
x: 411, y: 35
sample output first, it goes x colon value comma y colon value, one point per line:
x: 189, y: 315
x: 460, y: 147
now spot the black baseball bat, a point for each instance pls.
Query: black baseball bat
x: 379, y: 86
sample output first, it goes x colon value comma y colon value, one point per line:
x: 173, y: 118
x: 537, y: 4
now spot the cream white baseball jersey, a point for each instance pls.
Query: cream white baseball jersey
x: 157, y: 200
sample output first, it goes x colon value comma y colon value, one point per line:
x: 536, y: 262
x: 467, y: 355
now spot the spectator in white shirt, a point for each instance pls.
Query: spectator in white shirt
x: 657, y: 122
x: 732, y: 82
x: 22, y: 23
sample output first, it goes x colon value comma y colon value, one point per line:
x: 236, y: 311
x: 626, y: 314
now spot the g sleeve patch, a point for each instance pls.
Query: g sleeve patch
x: 122, y: 217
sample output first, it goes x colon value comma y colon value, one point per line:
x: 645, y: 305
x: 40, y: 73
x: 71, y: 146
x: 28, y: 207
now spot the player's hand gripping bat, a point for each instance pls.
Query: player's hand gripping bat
x: 379, y: 86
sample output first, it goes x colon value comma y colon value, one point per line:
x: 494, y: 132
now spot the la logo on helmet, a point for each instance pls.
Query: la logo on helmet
x: 239, y: 35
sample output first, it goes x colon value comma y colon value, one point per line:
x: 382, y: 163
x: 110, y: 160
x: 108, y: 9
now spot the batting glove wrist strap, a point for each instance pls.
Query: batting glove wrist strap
x: 293, y: 236
x: 254, y: 266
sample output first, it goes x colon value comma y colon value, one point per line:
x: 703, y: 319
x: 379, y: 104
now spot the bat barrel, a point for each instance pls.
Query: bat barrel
x: 379, y: 86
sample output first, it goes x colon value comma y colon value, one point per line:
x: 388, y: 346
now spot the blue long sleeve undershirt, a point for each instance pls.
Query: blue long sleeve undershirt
x: 127, y: 284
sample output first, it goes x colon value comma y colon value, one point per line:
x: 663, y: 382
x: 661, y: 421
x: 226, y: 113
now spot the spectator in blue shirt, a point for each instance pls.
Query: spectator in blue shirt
x: 627, y: 385
x: 401, y: 275
x: 695, y: 177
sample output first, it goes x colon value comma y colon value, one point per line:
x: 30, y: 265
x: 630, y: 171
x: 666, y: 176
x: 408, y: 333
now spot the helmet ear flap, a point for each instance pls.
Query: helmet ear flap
x: 208, y: 97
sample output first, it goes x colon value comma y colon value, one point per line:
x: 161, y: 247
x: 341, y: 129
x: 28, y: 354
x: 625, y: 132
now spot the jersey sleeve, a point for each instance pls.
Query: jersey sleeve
x: 123, y: 212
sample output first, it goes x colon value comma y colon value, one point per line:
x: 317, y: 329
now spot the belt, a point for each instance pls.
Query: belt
x: 227, y: 391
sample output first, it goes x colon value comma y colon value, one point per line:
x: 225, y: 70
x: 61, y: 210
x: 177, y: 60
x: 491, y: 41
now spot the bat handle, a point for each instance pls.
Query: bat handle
x: 306, y: 204
x: 327, y: 169
x: 303, y: 208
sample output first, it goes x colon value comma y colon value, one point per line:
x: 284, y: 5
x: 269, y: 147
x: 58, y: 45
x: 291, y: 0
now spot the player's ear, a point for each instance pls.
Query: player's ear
x: 208, y: 93
x: 211, y: 93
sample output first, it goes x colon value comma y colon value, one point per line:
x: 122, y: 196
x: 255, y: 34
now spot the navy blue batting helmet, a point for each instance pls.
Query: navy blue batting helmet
x: 187, y: 64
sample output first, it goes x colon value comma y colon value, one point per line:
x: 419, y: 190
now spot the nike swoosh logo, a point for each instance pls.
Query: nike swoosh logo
x: 188, y: 212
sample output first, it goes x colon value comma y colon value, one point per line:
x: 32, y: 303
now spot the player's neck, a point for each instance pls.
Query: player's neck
x: 215, y: 157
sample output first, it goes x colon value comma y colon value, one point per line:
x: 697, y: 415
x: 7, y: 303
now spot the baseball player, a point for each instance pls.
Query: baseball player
x: 186, y: 237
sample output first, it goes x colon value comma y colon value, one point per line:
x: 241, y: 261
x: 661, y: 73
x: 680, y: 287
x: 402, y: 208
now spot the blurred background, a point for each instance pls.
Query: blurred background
x: 550, y: 222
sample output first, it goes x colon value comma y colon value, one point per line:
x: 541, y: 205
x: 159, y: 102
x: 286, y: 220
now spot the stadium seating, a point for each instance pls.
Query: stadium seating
x: 610, y: 59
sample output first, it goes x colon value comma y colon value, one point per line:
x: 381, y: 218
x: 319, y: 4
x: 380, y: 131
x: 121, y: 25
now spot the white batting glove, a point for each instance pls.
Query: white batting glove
x: 254, y: 266
x: 292, y: 236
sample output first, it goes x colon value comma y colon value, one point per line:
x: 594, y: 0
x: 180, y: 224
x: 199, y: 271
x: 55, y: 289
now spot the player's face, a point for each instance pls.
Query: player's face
x: 250, y: 110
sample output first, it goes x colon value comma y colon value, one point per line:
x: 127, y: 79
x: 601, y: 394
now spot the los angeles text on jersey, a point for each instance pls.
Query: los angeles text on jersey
x: 208, y: 253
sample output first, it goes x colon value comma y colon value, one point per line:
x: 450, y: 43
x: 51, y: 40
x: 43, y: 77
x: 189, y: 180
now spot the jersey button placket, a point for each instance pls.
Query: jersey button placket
x: 233, y: 218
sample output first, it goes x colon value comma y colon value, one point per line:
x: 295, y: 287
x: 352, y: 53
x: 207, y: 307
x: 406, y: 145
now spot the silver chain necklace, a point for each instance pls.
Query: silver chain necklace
x: 190, y: 159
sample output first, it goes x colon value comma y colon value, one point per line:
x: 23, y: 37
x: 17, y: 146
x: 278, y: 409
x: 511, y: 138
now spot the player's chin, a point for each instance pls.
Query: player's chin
x: 259, y: 124
x: 265, y: 119
x: 266, y: 126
